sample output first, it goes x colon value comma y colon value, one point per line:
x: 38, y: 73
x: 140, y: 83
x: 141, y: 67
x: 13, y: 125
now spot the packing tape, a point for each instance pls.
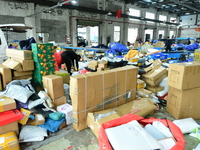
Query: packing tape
x: 1, y: 107
x: 105, y: 102
x: 103, y: 89
x: 86, y: 90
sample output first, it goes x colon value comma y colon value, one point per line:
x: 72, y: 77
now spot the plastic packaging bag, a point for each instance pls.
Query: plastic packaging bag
x: 32, y: 133
x: 165, y: 91
x: 3, y: 47
x: 52, y: 125
x: 56, y: 116
x: 18, y: 93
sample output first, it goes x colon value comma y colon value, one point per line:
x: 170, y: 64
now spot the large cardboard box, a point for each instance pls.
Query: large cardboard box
x: 141, y: 106
x: 19, y: 54
x: 183, y: 103
x: 6, y: 75
x: 13, y: 64
x: 101, y: 90
x: 155, y: 76
x: 27, y: 65
x: 6, y: 104
x: 22, y: 73
x: 184, y: 75
x: 59, y: 101
x: 53, y: 85
x: 9, y: 141
x: 11, y: 127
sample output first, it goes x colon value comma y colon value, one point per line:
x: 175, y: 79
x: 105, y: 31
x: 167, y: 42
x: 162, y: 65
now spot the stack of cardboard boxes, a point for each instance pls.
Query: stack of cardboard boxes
x: 20, y: 62
x: 155, y: 74
x: 43, y: 56
x: 184, y: 90
x: 8, y: 123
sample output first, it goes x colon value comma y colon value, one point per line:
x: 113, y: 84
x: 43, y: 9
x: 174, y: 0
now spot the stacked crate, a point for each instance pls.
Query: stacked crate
x: 43, y: 56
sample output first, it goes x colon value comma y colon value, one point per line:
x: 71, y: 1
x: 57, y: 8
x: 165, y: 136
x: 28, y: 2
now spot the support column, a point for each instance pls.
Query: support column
x: 32, y: 32
x: 88, y: 35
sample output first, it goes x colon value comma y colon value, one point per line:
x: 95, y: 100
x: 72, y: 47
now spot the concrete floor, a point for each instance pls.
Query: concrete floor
x: 69, y: 139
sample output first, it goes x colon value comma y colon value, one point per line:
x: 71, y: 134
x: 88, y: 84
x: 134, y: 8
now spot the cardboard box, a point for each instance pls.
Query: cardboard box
x: 9, y: 141
x: 106, y: 69
x: 93, y: 67
x: 13, y: 64
x: 155, y: 89
x: 63, y: 125
x: 27, y: 65
x: 155, y: 76
x: 93, y: 62
x: 1, y: 83
x: 184, y: 75
x: 39, y: 119
x: 144, y: 93
x: 101, y: 90
x: 22, y: 77
x: 68, y: 111
x: 197, y: 55
x: 6, y: 104
x: 59, y: 101
x: 103, y: 65
x: 64, y: 75
x: 100, y: 69
x: 142, y: 107
x: 26, y: 114
x: 19, y: 54
x: 140, y: 84
x: 6, y: 75
x: 11, y: 127
x: 183, y: 103
x: 95, y: 125
x: 156, y: 63
x: 22, y: 73
x: 53, y: 85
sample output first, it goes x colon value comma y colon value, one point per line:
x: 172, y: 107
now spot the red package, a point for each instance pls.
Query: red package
x: 104, y: 143
x: 10, y: 116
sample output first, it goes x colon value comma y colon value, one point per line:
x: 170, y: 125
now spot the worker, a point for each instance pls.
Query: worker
x: 168, y: 44
x: 68, y: 57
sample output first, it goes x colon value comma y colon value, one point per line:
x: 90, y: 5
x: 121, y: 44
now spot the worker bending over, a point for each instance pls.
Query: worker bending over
x: 68, y: 57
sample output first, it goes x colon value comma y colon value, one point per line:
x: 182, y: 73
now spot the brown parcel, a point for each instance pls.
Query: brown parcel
x: 156, y: 63
x: 6, y: 75
x: 19, y: 54
x: 155, y: 76
x: 183, y: 103
x: 6, y: 104
x: 59, y: 101
x: 9, y: 128
x: 22, y: 77
x: 39, y: 119
x: 184, y: 75
x: 101, y: 90
x: 22, y: 73
x: 144, y: 93
x: 141, y: 107
x: 93, y: 67
x: 155, y: 89
x: 53, y: 85
x: 27, y: 65
x: 13, y: 64
x: 1, y: 83
x: 140, y: 84
x: 100, y: 69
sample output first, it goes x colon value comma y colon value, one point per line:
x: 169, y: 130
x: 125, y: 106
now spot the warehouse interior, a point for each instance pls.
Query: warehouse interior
x: 99, y: 75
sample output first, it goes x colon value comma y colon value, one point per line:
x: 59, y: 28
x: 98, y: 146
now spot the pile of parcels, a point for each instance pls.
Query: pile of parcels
x: 98, y: 98
x: 27, y: 113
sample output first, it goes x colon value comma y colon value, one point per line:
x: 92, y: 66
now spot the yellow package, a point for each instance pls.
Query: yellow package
x: 9, y: 141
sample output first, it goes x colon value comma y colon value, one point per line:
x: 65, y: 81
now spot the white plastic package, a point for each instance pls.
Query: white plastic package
x: 162, y: 128
x: 18, y: 93
x: 165, y: 91
x: 186, y: 125
x: 32, y: 133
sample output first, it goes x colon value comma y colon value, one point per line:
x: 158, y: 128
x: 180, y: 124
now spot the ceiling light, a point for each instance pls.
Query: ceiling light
x: 187, y: 13
x: 109, y: 13
x: 195, y: 12
x: 73, y: 1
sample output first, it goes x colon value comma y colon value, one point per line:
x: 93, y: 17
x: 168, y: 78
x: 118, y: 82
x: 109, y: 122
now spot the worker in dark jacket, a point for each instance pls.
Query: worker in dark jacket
x: 68, y: 57
x: 168, y: 44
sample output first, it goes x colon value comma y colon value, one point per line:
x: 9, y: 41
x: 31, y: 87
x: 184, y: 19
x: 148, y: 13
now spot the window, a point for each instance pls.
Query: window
x: 161, y: 34
x: 134, y: 12
x: 172, y: 34
x: 162, y: 18
x: 173, y: 20
x: 132, y: 34
x: 150, y: 16
x: 116, y: 33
